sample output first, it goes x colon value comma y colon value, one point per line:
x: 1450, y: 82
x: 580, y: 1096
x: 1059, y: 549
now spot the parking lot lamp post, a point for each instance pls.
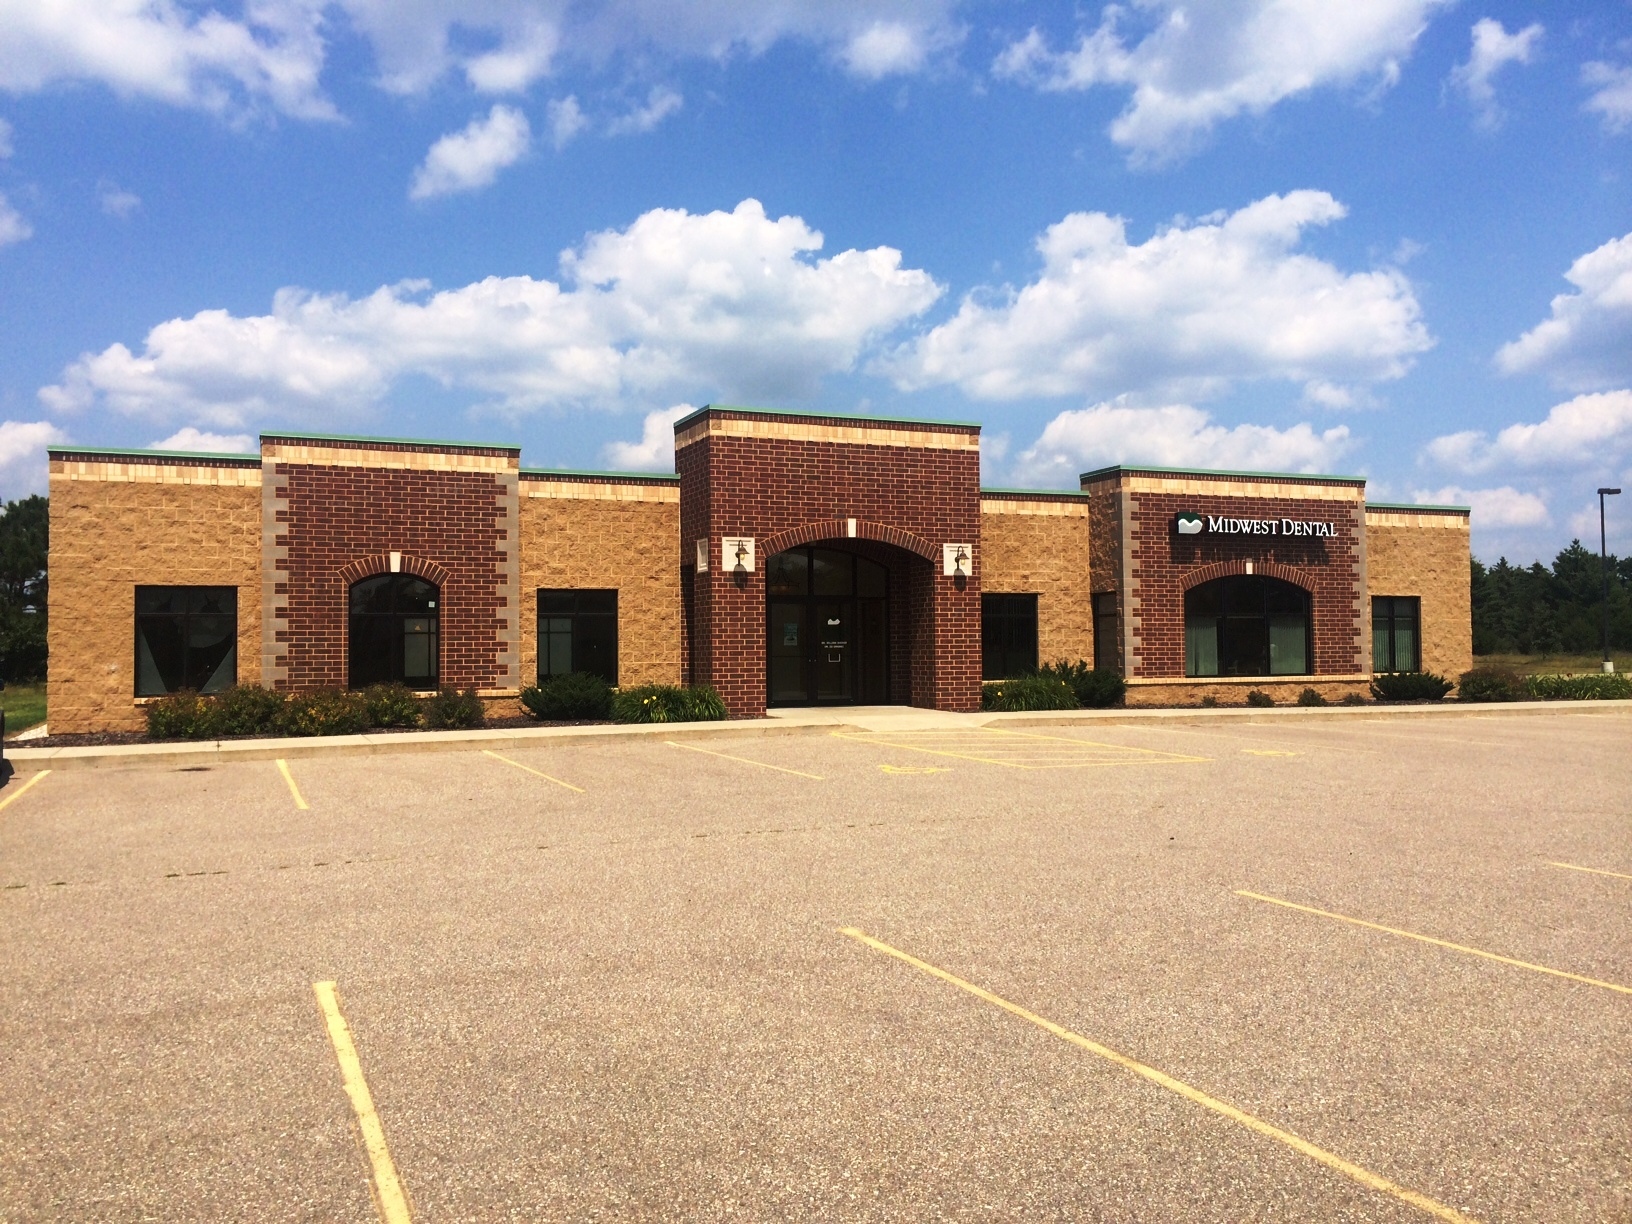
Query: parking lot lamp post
x: 1603, y: 561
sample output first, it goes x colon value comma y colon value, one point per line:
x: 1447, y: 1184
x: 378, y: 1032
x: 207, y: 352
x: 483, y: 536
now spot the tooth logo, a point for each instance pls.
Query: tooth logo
x: 1189, y: 524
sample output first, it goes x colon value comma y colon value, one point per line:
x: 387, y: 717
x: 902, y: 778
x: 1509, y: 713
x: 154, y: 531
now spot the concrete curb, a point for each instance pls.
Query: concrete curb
x: 222, y: 752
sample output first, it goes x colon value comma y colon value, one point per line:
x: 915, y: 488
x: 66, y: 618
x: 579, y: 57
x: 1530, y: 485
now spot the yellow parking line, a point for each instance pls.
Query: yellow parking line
x: 1364, y: 1176
x: 300, y: 801
x: 1429, y: 939
x: 531, y: 770
x: 22, y: 790
x: 798, y: 773
x: 1619, y: 875
x: 389, y: 1196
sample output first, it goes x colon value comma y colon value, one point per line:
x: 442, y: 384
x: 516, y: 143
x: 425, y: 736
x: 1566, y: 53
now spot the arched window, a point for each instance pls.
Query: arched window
x: 394, y: 632
x: 1246, y: 625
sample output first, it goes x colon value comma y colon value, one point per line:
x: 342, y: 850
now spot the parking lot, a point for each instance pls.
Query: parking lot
x: 1329, y: 970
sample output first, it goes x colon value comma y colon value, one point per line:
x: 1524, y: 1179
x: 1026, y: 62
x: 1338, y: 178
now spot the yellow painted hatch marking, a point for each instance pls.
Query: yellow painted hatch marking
x: 1619, y: 875
x: 540, y: 773
x: 300, y: 801
x: 1018, y: 749
x: 23, y: 789
x: 798, y: 773
x: 389, y: 1196
x: 1429, y: 939
x: 1364, y: 1176
x: 915, y: 769
x: 1272, y: 752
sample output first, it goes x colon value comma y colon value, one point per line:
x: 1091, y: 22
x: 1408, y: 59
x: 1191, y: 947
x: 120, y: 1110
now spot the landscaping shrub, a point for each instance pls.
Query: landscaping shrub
x: 183, y: 715
x: 1592, y: 687
x: 1311, y: 697
x: 1352, y: 699
x: 246, y: 709
x: 392, y: 705
x: 1409, y: 686
x: 450, y: 710
x: 1093, y: 689
x: 1490, y: 684
x: 324, y: 712
x: 1209, y: 702
x: 573, y: 696
x: 1258, y: 697
x: 1038, y: 692
x: 663, y: 703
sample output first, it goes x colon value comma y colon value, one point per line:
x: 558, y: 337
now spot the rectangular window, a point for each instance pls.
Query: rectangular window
x: 578, y: 632
x: 1106, y: 655
x: 186, y: 638
x: 1008, y: 636
x: 1396, y: 639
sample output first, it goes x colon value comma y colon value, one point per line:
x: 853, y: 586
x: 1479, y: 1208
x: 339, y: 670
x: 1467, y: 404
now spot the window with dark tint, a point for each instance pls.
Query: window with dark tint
x: 1246, y: 626
x: 1105, y: 644
x: 1396, y: 644
x: 186, y: 638
x: 395, y: 632
x: 578, y: 632
x: 1008, y: 636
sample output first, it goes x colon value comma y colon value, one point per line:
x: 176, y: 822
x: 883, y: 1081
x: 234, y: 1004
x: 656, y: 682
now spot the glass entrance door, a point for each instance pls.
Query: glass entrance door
x: 834, y: 660
x: 826, y: 628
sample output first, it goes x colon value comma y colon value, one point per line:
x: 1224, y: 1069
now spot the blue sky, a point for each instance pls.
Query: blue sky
x: 1391, y: 238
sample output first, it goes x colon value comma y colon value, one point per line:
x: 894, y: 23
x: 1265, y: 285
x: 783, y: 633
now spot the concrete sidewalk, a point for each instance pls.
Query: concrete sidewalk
x: 779, y: 722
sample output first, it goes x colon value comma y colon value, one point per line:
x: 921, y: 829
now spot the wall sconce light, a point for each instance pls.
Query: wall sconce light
x: 957, y: 560
x: 738, y: 549
x: 959, y: 564
x: 742, y: 556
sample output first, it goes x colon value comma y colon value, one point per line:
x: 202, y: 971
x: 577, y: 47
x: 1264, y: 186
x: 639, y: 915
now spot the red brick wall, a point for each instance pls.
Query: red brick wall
x: 1166, y: 564
x: 446, y: 525
x: 901, y: 496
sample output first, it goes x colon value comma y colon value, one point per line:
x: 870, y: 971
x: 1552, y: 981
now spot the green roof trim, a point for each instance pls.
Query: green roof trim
x: 438, y: 443
x: 142, y: 452
x: 832, y: 416
x: 591, y: 474
x: 984, y: 489
x: 1420, y: 507
x: 1307, y: 477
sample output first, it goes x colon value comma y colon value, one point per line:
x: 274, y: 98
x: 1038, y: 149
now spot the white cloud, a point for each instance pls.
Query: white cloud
x: 1177, y: 435
x: 725, y: 303
x: 661, y: 102
x: 116, y: 201
x: 655, y: 450
x: 1205, y: 61
x: 1493, y: 49
x: 471, y: 159
x: 22, y: 455
x: 171, y: 52
x: 13, y: 227
x: 566, y: 121
x: 1182, y: 315
x: 1503, y: 507
x: 1585, y: 431
x: 190, y: 439
x: 1611, y: 93
x: 1587, y: 343
x: 6, y: 147
x: 883, y: 49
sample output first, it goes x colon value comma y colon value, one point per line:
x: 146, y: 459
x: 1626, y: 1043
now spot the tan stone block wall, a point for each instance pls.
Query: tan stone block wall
x: 109, y: 535
x: 1429, y: 559
x: 594, y: 540
x: 1042, y: 548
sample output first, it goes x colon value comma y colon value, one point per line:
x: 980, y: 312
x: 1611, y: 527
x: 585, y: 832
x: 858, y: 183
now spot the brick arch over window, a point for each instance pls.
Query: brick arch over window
x: 1260, y: 569
x: 839, y: 529
x: 380, y: 563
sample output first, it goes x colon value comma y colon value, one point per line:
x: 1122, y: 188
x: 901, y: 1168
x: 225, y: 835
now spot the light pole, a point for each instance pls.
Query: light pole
x: 1603, y: 561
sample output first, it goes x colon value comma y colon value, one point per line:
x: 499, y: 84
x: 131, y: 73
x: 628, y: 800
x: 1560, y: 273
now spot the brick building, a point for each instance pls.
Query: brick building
x: 792, y: 559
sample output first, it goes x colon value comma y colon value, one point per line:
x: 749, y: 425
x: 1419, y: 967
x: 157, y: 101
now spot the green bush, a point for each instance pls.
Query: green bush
x: 1094, y: 689
x: 1352, y: 699
x: 183, y: 715
x: 454, y: 711
x: 1311, y: 697
x: 665, y: 703
x: 1038, y: 692
x: 1209, y: 702
x: 324, y: 712
x: 573, y: 696
x: 1409, y: 686
x: 1259, y: 698
x: 1611, y: 686
x: 391, y: 705
x: 247, y: 709
x: 1490, y: 684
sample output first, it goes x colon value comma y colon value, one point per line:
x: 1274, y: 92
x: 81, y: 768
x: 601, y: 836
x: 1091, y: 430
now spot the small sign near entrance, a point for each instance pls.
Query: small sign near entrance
x: 790, y: 633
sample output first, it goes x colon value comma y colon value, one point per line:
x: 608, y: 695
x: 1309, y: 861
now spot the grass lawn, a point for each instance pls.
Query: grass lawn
x: 24, y: 705
x: 1555, y: 664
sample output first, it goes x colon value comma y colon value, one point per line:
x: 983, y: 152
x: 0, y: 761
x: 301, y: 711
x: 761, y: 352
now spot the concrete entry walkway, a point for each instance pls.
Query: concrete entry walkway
x: 878, y: 718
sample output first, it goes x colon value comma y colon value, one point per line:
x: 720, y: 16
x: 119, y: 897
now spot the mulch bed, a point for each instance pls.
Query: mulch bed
x: 106, y: 739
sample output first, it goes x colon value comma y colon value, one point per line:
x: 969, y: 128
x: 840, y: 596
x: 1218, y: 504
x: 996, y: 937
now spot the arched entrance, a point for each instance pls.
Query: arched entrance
x: 1246, y: 625
x: 395, y: 631
x: 827, y: 628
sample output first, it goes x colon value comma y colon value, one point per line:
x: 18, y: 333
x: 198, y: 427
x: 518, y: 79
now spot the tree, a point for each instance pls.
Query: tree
x: 1541, y: 610
x: 24, y: 549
